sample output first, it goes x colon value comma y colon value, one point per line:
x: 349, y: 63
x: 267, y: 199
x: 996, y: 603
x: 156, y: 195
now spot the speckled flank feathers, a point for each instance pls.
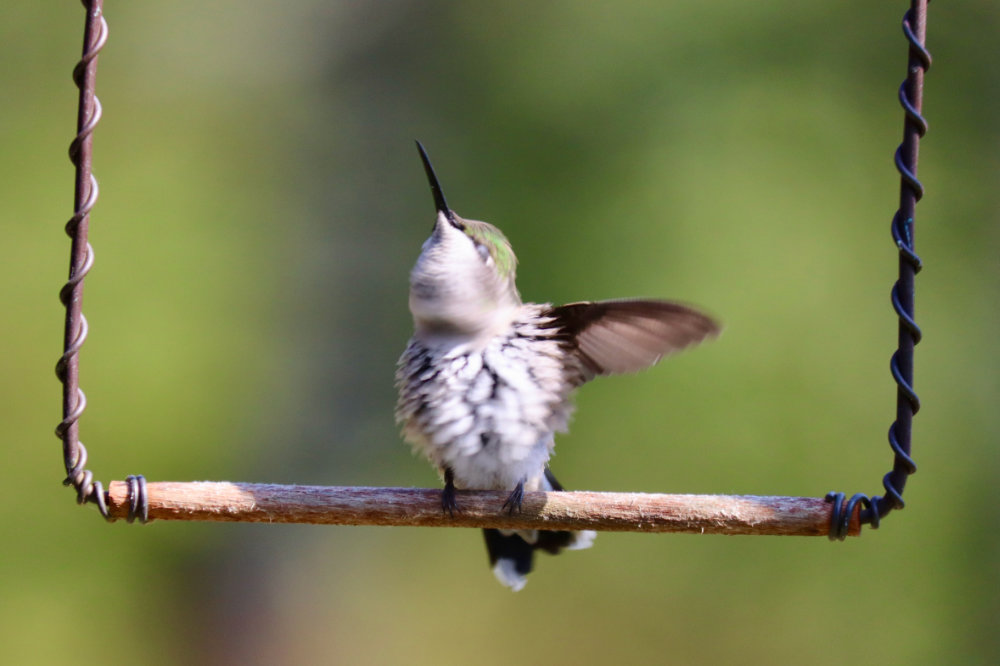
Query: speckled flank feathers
x: 488, y: 411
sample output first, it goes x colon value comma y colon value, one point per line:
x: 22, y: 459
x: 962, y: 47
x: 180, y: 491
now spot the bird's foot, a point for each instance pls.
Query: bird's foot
x: 515, y: 498
x: 448, y: 503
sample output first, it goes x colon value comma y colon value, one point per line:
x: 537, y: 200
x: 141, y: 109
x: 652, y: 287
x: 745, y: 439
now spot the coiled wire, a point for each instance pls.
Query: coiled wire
x: 81, y: 261
x: 901, y: 364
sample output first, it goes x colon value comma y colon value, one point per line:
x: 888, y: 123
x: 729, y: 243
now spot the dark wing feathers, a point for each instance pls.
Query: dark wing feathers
x: 611, y: 337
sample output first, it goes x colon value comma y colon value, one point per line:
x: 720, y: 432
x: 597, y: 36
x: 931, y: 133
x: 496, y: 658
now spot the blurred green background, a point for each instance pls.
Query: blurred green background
x: 261, y: 206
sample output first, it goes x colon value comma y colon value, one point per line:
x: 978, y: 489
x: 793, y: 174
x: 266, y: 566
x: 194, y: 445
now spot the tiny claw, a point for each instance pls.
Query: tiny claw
x: 448, y: 502
x: 514, y: 500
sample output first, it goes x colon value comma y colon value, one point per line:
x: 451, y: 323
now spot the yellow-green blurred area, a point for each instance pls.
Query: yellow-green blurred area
x: 261, y: 206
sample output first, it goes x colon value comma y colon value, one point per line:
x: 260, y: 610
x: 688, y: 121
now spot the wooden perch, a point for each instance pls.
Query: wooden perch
x: 621, y: 512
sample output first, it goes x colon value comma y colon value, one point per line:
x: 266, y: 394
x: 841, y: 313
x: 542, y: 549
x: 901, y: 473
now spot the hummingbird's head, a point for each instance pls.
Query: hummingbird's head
x: 463, y: 282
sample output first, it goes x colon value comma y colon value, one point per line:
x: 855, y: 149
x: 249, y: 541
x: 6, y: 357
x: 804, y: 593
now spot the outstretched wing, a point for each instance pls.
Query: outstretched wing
x: 611, y: 337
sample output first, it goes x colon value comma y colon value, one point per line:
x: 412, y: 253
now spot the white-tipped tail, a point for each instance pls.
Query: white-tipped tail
x: 582, y: 540
x: 506, y: 572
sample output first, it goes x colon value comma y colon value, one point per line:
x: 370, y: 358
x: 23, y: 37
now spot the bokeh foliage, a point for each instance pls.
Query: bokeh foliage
x: 261, y: 207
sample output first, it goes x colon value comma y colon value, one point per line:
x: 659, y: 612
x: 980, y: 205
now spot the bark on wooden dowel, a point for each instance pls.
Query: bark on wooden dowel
x: 621, y: 512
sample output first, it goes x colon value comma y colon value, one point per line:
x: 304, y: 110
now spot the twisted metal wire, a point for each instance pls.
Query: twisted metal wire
x: 138, y: 501
x: 901, y: 363
x: 81, y: 261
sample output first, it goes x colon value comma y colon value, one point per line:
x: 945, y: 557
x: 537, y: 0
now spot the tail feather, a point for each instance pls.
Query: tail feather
x: 512, y: 557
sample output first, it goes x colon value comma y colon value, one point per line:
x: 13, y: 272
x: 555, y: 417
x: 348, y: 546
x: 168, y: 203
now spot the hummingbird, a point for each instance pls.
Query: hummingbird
x: 487, y: 380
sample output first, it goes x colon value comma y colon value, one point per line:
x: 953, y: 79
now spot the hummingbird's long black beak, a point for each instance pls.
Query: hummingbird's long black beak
x: 439, y: 202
